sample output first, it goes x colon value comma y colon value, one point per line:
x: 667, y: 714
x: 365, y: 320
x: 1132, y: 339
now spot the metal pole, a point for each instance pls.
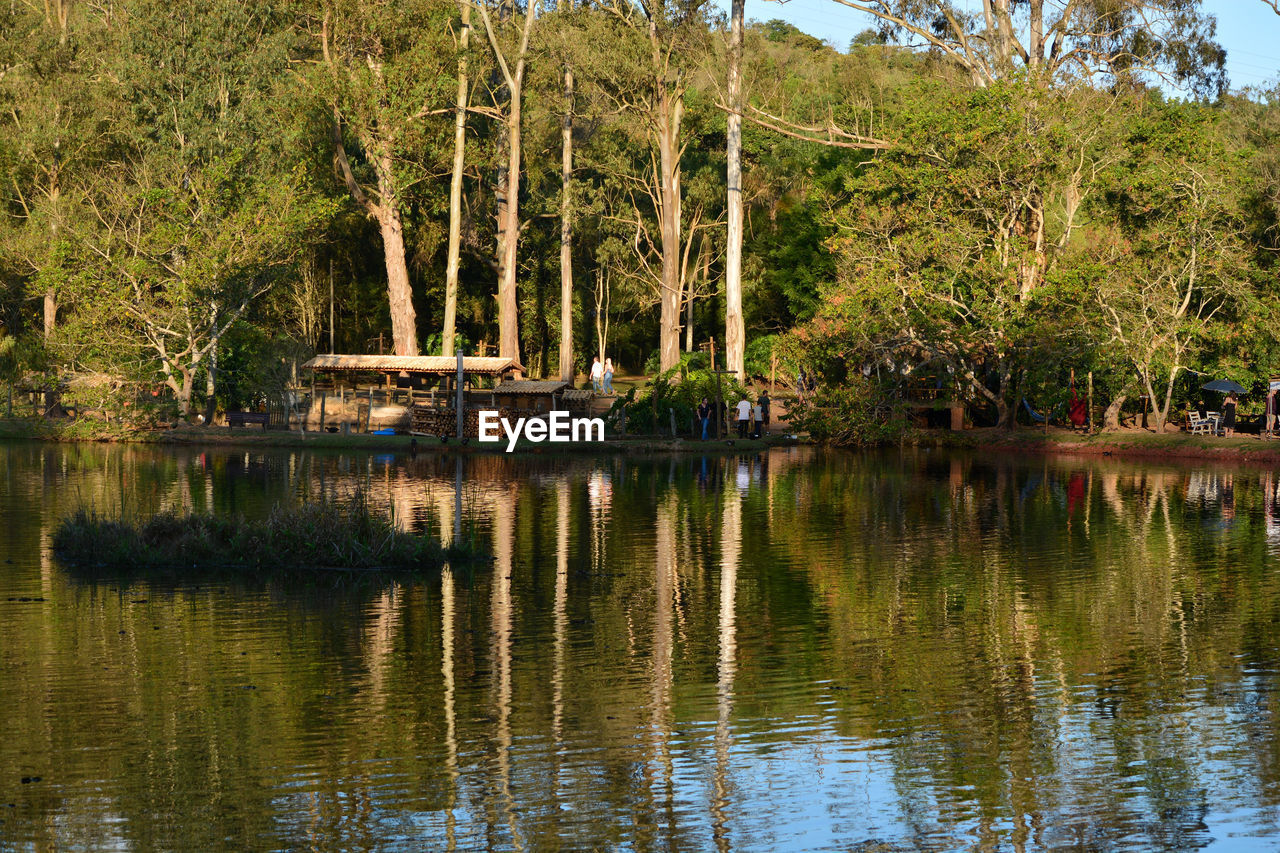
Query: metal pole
x: 458, y: 403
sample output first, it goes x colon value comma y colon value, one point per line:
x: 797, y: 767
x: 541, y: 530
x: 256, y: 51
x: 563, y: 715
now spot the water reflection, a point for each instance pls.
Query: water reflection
x: 795, y: 649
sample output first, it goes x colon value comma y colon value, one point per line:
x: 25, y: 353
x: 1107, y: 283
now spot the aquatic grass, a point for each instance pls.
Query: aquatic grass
x: 345, y: 535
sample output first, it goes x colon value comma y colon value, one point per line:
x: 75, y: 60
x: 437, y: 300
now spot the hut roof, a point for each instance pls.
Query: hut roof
x: 531, y: 386
x: 438, y: 365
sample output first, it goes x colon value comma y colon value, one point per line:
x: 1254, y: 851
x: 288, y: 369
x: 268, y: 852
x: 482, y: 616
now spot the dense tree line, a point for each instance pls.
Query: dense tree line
x: 196, y: 194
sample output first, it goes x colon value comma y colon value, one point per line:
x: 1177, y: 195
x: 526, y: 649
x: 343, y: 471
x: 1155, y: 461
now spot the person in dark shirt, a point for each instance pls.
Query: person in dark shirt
x: 704, y: 415
x: 763, y: 401
x: 1229, y: 415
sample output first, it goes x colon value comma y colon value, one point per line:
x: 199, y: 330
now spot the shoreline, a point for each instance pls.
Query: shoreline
x: 1135, y: 444
x: 72, y: 432
x: 1139, y: 445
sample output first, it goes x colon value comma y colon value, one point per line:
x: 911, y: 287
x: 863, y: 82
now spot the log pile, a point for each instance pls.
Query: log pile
x: 431, y: 420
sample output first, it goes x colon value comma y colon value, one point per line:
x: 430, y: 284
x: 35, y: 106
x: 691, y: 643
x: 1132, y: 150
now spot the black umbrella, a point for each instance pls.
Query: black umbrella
x: 1225, y: 386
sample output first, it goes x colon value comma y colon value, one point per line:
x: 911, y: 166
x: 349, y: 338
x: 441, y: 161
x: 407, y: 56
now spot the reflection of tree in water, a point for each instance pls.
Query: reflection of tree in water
x: 1041, y: 653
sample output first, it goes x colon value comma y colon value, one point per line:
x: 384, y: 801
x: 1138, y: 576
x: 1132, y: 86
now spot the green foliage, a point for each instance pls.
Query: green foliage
x: 680, y: 390
x: 326, y: 534
x: 860, y: 413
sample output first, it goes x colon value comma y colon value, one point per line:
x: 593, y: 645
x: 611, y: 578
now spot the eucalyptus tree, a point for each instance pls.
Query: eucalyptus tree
x: 1094, y: 43
x: 566, y: 217
x: 509, y: 40
x: 455, y: 183
x: 654, y: 52
x: 389, y: 75
x: 1097, y: 41
x: 735, y: 331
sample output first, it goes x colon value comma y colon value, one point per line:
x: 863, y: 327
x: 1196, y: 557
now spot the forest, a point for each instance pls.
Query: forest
x: 982, y: 198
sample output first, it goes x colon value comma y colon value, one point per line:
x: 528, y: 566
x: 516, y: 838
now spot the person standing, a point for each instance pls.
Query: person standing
x: 608, y: 376
x: 763, y: 400
x: 597, y: 375
x: 757, y: 419
x: 1229, y: 415
x: 744, y: 416
x: 704, y: 415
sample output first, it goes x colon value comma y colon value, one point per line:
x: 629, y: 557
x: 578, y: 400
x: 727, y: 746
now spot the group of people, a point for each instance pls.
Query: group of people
x: 602, y: 376
x: 752, y: 418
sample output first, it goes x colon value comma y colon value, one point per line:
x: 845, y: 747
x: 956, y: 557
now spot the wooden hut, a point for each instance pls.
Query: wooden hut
x: 371, y: 391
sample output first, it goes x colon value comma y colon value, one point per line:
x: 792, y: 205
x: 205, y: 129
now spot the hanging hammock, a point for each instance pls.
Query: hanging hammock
x: 1036, y: 416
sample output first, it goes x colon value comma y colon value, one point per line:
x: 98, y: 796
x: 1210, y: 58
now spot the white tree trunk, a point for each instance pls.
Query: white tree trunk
x: 735, y: 332
x: 566, y: 231
x: 670, y: 113
x: 455, y: 188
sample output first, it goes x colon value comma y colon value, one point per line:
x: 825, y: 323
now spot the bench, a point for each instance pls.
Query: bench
x: 1208, y: 425
x: 246, y: 418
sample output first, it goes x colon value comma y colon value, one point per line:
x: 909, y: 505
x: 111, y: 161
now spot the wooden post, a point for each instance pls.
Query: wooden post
x: 773, y: 368
x: 458, y: 400
x: 672, y: 414
x: 323, y: 397
x: 368, y: 415
x: 1090, y: 381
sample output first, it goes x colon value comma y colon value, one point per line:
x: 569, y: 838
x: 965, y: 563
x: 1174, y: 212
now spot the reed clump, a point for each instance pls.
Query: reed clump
x: 348, y: 535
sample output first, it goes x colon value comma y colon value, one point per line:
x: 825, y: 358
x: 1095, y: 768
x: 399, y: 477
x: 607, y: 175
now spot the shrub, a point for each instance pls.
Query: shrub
x: 321, y: 535
x: 857, y: 414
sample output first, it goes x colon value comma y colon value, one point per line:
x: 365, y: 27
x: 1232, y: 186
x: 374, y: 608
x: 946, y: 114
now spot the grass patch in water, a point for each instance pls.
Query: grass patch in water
x: 334, y: 535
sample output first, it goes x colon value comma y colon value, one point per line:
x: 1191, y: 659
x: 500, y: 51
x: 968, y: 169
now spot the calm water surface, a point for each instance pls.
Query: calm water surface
x: 795, y: 650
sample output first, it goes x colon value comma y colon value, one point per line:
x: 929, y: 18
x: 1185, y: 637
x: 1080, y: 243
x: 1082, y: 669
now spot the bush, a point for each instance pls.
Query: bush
x: 321, y: 535
x: 858, y: 414
x: 679, y: 389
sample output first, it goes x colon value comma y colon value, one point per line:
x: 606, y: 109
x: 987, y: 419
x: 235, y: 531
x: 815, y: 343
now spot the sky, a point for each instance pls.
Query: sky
x: 1248, y: 29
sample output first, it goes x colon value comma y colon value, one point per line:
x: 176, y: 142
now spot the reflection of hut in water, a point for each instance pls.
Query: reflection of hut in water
x: 383, y: 391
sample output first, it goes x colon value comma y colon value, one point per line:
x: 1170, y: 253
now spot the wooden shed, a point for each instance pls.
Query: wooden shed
x: 530, y: 397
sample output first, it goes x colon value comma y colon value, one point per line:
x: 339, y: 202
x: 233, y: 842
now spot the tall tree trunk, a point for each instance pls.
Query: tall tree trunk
x: 455, y: 187
x: 566, y: 230
x: 508, y: 328
x: 55, y: 193
x: 509, y: 185
x: 734, y: 330
x: 386, y: 210
x: 404, y: 321
x: 50, y: 313
x: 211, y: 383
x: 671, y: 107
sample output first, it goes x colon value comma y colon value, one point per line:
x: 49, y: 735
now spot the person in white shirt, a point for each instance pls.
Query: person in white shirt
x: 757, y: 420
x: 597, y: 375
x: 744, y: 416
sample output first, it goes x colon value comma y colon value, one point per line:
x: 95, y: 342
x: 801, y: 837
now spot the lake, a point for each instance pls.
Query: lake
x: 800, y: 649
